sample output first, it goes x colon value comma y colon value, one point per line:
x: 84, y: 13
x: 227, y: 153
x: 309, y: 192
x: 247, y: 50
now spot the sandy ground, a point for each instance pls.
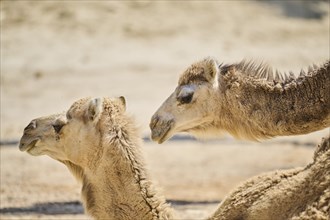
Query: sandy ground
x: 55, y: 52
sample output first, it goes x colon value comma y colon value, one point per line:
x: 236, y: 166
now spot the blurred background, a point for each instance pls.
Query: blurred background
x: 55, y: 52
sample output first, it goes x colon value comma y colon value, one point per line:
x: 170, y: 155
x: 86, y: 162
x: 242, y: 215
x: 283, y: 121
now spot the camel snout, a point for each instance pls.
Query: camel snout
x: 160, y: 128
x: 28, y: 140
x: 26, y: 143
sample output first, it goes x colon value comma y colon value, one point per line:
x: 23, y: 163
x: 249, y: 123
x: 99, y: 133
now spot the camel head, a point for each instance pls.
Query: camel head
x: 73, y: 136
x: 189, y: 107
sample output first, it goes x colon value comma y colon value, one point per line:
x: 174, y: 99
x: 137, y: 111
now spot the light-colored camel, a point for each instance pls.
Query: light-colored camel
x: 302, y: 193
x: 245, y: 100
x: 100, y: 145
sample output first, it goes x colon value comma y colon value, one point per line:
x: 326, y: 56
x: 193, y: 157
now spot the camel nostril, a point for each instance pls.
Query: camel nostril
x: 154, y: 121
x: 32, y: 125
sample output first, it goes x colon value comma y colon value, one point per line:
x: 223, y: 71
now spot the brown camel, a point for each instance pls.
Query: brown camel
x: 245, y: 100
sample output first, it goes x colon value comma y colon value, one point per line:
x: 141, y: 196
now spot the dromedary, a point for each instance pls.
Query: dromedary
x: 302, y: 193
x: 100, y: 145
x: 245, y: 100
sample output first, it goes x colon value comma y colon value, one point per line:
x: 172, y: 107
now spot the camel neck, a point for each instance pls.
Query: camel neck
x: 121, y: 189
x: 266, y: 108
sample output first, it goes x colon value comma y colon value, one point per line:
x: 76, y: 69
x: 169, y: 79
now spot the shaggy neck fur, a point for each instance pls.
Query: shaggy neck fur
x: 261, y: 105
x: 302, y: 193
x: 119, y: 188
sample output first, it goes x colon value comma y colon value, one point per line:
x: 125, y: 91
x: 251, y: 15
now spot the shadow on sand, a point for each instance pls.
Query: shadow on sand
x: 48, y: 208
x: 303, y: 9
x: 75, y: 207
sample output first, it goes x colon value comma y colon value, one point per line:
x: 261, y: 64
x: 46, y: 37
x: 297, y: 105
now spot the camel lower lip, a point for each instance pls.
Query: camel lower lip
x: 162, y: 135
x: 160, y: 131
x: 28, y: 147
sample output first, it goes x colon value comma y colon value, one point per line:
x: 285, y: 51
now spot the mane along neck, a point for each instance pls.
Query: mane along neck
x: 156, y: 205
x: 120, y: 187
x: 262, y: 104
x: 265, y: 75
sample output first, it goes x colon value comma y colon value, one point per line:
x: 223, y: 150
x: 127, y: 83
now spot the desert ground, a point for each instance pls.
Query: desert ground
x: 55, y: 52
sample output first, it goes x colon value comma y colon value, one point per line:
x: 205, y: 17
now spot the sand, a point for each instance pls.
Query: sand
x: 55, y: 52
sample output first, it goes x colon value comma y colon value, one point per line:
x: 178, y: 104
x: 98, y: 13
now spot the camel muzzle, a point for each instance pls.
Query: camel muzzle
x: 160, y: 128
x: 28, y: 140
x: 26, y: 144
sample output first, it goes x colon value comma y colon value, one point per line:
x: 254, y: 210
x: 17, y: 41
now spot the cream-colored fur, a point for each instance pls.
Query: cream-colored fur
x: 248, y: 101
x: 100, y: 145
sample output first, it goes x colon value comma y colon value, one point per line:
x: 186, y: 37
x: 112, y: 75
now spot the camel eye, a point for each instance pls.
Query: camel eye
x: 58, y: 127
x: 185, y: 99
x: 68, y: 116
x: 186, y: 94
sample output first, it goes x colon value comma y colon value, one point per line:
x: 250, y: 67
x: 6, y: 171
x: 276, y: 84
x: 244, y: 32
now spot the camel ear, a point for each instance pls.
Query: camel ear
x: 212, y: 70
x: 94, y: 109
x: 123, y: 102
x: 212, y: 67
